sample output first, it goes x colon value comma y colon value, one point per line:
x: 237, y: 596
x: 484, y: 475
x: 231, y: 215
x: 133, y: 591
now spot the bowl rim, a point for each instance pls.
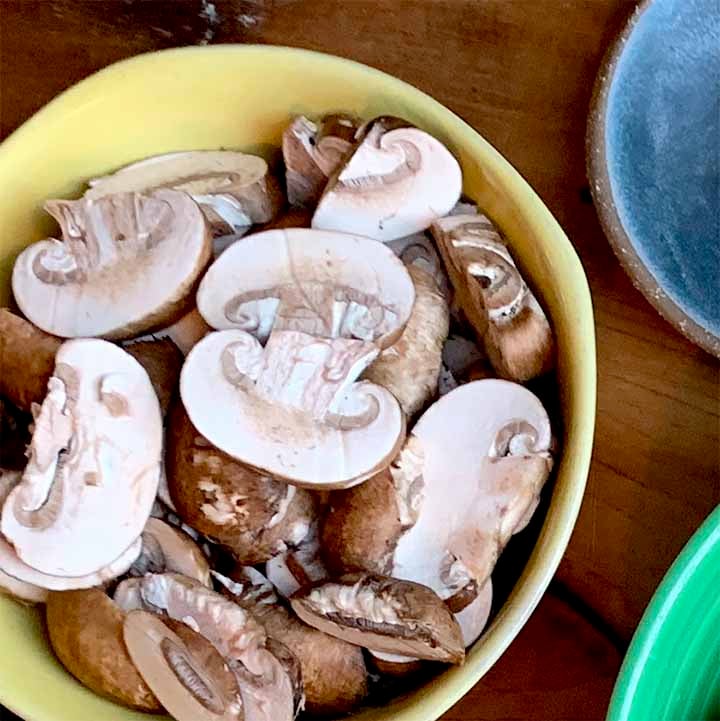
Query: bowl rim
x: 603, y: 197
x: 547, y: 551
x: 677, y: 584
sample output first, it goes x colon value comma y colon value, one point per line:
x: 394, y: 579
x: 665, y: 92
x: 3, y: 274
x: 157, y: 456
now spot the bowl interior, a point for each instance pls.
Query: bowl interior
x: 241, y: 97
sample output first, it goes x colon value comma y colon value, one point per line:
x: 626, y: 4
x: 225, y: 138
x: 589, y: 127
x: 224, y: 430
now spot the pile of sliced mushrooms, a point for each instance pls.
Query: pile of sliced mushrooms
x: 274, y: 426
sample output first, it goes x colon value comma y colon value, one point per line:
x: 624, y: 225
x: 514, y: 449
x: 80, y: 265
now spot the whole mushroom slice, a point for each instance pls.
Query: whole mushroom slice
x: 127, y: 263
x: 409, y: 369
x: 397, y: 182
x: 383, y: 614
x: 93, y: 466
x: 233, y: 189
x: 312, y: 152
x: 252, y: 514
x: 267, y: 689
x: 471, y: 469
x: 27, y: 359
x: 184, y: 670
x: 494, y: 296
x: 168, y: 549
x: 86, y: 632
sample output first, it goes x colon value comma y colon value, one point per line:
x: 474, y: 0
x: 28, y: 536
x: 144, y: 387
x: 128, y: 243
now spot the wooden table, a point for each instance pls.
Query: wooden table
x: 521, y: 72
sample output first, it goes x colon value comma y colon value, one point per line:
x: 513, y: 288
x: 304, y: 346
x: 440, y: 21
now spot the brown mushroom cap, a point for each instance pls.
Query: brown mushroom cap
x: 252, y: 514
x: 233, y: 189
x: 347, y: 545
x: 162, y: 360
x: 27, y: 359
x: 185, y: 671
x: 102, y: 279
x: 398, y: 180
x: 494, y: 296
x: 409, y: 369
x: 383, y: 614
x: 333, y: 671
x: 85, y: 630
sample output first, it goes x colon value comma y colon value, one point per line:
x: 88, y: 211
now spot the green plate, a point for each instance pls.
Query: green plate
x: 672, y: 669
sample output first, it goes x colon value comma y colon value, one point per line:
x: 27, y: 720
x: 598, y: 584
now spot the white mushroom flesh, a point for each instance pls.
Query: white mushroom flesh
x: 93, y: 467
x: 126, y: 263
x: 325, y: 304
x: 397, y: 182
x: 485, y: 454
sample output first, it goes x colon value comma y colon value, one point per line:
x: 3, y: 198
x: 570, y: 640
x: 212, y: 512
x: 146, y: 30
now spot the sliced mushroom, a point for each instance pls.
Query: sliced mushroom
x: 325, y: 303
x: 233, y: 189
x: 397, y: 182
x: 333, y: 671
x: 27, y: 359
x: 165, y: 548
x: 383, y: 614
x: 312, y: 152
x: 86, y: 632
x: 184, y: 670
x: 470, y: 471
x: 472, y: 620
x: 409, y: 369
x: 186, y: 332
x: 162, y: 360
x: 128, y: 595
x: 252, y: 514
x: 93, y: 466
x: 495, y: 298
x: 266, y: 687
x: 127, y: 263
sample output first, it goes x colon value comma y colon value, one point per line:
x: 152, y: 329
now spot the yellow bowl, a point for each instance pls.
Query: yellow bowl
x: 242, y: 97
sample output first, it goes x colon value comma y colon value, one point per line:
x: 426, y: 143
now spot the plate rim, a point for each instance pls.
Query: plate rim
x: 601, y: 191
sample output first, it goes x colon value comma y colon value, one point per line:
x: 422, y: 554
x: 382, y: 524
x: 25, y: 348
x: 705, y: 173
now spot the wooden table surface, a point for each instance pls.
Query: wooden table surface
x: 521, y: 72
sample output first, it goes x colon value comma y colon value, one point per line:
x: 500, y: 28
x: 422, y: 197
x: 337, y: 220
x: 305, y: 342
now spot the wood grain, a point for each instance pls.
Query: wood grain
x: 521, y: 72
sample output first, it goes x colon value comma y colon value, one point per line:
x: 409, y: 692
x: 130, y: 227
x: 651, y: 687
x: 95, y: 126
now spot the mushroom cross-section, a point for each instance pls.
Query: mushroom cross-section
x: 383, y: 614
x: 397, y: 182
x: 233, y: 189
x: 313, y: 151
x: 127, y: 263
x: 267, y: 689
x: 324, y: 304
x: 492, y: 293
x: 93, y: 466
x: 465, y: 480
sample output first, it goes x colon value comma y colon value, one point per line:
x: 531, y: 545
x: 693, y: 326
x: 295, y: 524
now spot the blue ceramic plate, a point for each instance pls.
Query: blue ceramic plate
x: 654, y: 159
